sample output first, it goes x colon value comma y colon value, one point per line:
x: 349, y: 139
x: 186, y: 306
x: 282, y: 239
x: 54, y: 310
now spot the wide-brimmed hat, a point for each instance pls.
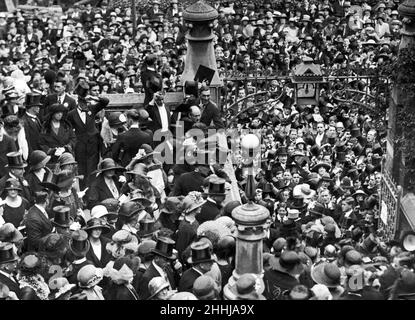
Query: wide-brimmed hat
x: 66, y: 158
x: 106, y: 165
x: 200, y: 253
x: 97, y: 223
x: 303, y: 190
x: 54, y: 245
x: 144, y: 152
x: 89, y: 276
x: 13, y: 184
x: 192, y: 201
x: 326, y: 273
x: 59, y: 286
x: 7, y: 253
x: 9, y: 233
x: 38, y: 159
x: 318, y: 209
x: 164, y: 248
x: 156, y: 285
x: 319, y: 165
x: 245, y: 288
x: 79, y: 243
x: 15, y: 160
x: 33, y: 100
x: 130, y: 208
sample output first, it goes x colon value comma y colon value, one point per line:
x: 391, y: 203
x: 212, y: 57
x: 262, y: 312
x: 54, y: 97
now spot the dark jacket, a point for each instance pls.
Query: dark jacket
x: 127, y: 144
x: 99, y: 190
x: 105, y: 256
x: 276, y: 283
x: 34, y: 181
x: 68, y: 102
x: 188, y: 279
x: 32, y: 127
x: 208, y: 212
x: 120, y: 292
x: 87, y: 138
x: 12, y: 285
x: 65, y: 138
x: 154, y: 114
x: 38, y: 226
x: 189, y: 181
x: 146, y: 75
x: 6, y: 145
x: 149, y: 274
x: 186, y: 234
x: 211, y: 113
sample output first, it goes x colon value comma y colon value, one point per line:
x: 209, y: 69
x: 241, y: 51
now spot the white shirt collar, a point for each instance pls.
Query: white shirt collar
x: 31, y: 115
x: 79, y: 261
x: 159, y: 270
x: 42, y: 210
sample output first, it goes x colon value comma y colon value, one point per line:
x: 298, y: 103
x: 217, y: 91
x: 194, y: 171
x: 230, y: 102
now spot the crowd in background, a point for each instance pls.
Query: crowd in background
x: 88, y: 209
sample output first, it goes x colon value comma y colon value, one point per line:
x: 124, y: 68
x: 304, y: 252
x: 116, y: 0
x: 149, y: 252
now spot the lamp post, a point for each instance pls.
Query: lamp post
x: 251, y: 221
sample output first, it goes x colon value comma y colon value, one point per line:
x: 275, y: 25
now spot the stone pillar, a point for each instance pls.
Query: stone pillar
x: 251, y: 221
x: 199, y: 20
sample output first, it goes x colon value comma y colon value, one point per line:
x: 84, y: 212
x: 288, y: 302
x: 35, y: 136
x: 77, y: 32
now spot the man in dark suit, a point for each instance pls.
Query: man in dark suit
x: 8, y: 264
x: 7, y: 145
x: 210, y: 111
x: 348, y: 217
x: 82, y: 120
x: 60, y: 96
x: 216, y: 195
x: 150, y: 78
x: 38, y: 225
x: 191, y: 181
x: 78, y: 248
x: 159, y: 113
x: 202, y: 263
x: 127, y: 144
x: 159, y: 267
x: 106, y: 184
x: 31, y: 122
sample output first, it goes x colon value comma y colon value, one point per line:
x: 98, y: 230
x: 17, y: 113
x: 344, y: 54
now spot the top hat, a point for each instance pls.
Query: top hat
x: 7, y: 253
x: 38, y: 159
x: 340, y: 157
x: 298, y: 203
x: 15, y: 160
x: 33, y: 100
x: 79, y: 244
x: 282, y: 151
x: 147, y: 228
x: 62, y: 216
x: 355, y: 132
x: 216, y: 186
x: 200, y: 253
x: 164, y: 248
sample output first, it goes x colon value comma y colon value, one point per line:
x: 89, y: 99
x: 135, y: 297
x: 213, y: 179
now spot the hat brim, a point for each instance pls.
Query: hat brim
x: 71, y: 220
x: 41, y: 164
x: 116, y: 168
x: 79, y: 253
x: 13, y: 188
x: 105, y: 228
x: 200, y: 260
x: 50, y: 186
x: 162, y: 254
x: 21, y: 166
x: 15, y: 258
x: 166, y: 285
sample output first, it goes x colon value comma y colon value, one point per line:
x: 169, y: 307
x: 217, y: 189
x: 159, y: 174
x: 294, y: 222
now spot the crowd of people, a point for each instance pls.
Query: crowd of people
x: 91, y: 211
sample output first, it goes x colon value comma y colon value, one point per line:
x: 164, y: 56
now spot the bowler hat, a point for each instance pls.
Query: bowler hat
x: 79, y: 243
x: 200, y: 253
x: 318, y: 209
x: 62, y: 216
x: 164, y: 248
x: 15, y: 160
